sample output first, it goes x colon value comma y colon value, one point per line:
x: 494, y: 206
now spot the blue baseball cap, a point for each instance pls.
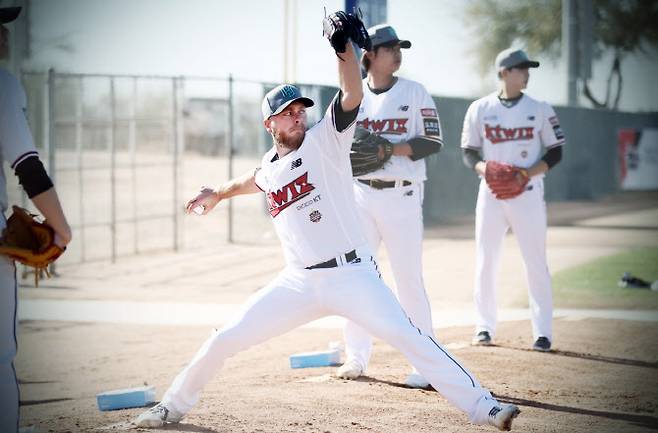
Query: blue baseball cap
x: 280, y: 97
x: 8, y: 15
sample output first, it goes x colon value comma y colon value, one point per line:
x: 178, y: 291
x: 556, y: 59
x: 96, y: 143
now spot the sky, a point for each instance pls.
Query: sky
x: 246, y: 39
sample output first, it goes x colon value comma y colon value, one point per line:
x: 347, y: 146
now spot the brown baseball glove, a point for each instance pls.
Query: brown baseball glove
x: 505, y: 181
x: 29, y: 241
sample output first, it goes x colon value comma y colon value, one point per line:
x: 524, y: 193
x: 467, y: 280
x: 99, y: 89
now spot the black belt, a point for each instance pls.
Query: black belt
x: 333, y: 263
x: 382, y: 184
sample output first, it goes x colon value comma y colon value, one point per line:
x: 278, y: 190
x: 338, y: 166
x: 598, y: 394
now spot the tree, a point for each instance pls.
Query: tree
x: 622, y: 27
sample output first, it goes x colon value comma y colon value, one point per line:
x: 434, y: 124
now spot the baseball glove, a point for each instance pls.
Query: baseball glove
x: 29, y: 241
x: 505, y: 181
x: 339, y: 27
x: 365, y: 155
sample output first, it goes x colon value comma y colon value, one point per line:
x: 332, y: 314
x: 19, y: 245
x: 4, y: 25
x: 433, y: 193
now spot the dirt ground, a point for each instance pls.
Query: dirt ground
x: 601, y: 376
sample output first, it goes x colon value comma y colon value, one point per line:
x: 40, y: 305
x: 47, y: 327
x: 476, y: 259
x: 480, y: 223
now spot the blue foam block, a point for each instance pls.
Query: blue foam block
x: 315, y: 359
x: 126, y: 398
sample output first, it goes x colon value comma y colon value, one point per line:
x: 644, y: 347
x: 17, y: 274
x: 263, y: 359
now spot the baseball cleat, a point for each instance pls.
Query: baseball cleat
x: 416, y: 380
x: 501, y: 416
x: 542, y: 344
x: 482, y: 338
x: 350, y: 370
x: 158, y: 416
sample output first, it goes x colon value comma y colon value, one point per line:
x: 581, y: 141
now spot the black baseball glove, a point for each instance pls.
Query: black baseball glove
x: 369, y: 152
x: 339, y: 27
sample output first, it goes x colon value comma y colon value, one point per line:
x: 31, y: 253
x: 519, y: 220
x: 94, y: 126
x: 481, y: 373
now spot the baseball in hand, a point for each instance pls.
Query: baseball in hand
x: 199, y: 209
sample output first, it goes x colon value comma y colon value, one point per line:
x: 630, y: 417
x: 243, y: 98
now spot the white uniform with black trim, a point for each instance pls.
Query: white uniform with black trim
x: 312, y: 206
x: 395, y: 215
x: 15, y: 145
x: 517, y: 135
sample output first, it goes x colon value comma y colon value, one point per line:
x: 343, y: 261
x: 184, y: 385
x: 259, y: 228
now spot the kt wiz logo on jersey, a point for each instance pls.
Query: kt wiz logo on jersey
x: 498, y: 134
x: 386, y: 126
x: 282, y: 198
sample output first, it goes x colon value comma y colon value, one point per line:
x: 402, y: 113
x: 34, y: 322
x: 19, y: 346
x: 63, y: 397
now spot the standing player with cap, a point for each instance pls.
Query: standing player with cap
x: 524, y: 136
x: 306, y: 177
x: 17, y: 148
x: 390, y: 198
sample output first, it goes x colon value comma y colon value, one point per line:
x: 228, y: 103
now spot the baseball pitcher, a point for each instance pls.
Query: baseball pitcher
x: 306, y: 178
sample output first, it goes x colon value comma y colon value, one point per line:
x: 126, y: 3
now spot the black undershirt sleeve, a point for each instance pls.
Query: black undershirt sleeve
x: 342, y: 118
x: 552, y: 156
x: 32, y: 176
x: 423, y: 147
x: 471, y: 157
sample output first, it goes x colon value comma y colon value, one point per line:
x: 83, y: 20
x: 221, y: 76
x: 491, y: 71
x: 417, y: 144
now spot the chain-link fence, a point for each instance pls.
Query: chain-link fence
x: 126, y: 152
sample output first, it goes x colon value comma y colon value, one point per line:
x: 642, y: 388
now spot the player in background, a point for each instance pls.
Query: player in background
x: 390, y: 200
x: 17, y: 148
x: 306, y: 177
x: 509, y: 126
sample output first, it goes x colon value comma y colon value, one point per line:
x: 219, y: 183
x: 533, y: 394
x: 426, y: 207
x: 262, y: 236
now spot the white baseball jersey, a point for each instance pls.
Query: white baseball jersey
x: 310, y: 194
x: 517, y: 135
x: 15, y: 138
x: 404, y: 111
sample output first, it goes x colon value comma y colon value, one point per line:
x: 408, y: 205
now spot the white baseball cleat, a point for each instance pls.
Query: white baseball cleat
x: 157, y: 416
x: 416, y: 380
x: 501, y: 416
x: 350, y: 370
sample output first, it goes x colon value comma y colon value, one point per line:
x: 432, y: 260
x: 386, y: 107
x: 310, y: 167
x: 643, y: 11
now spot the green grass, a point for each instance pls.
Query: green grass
x: 594, y: 284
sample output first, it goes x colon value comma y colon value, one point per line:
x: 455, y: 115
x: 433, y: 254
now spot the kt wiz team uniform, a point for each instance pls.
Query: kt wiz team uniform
x: 329, y: 271
x: 394, y: 214
x: 16, y: 146
x: 518, y: 135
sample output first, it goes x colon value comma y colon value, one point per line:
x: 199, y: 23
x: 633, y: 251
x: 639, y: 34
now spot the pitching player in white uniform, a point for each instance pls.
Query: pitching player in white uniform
x: 509, y: 126
x: 17, y: 148
x: 306, y: 177
x: 391, y: 197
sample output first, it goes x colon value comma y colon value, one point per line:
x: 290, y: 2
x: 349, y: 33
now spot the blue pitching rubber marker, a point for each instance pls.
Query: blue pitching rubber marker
x: 126, y: 398
x: 315, y: 359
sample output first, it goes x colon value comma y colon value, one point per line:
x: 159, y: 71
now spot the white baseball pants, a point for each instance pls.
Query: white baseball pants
x: 8, y: 384
x: 526, y: 215
x: 355, y: 291
x: 394, y: 216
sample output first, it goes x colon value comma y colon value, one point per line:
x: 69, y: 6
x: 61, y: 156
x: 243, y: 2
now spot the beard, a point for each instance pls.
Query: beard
x: 289, y: 141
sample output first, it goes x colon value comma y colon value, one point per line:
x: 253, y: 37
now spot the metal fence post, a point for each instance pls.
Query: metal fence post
x: 79, y: 150
x: 229, y: 149
x: 176, y: 138
x: 133, y: 169
x: 50, y: 148
x: 113, y: 162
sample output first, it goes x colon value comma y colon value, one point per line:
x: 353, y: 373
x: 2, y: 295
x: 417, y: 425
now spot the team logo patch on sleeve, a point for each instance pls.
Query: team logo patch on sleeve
x: 428, y: 112
x: 431, y: 125
x: 557, y: 130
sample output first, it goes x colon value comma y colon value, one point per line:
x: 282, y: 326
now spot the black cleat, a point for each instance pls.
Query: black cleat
x: 482, y: 338
x: 542, y: 344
